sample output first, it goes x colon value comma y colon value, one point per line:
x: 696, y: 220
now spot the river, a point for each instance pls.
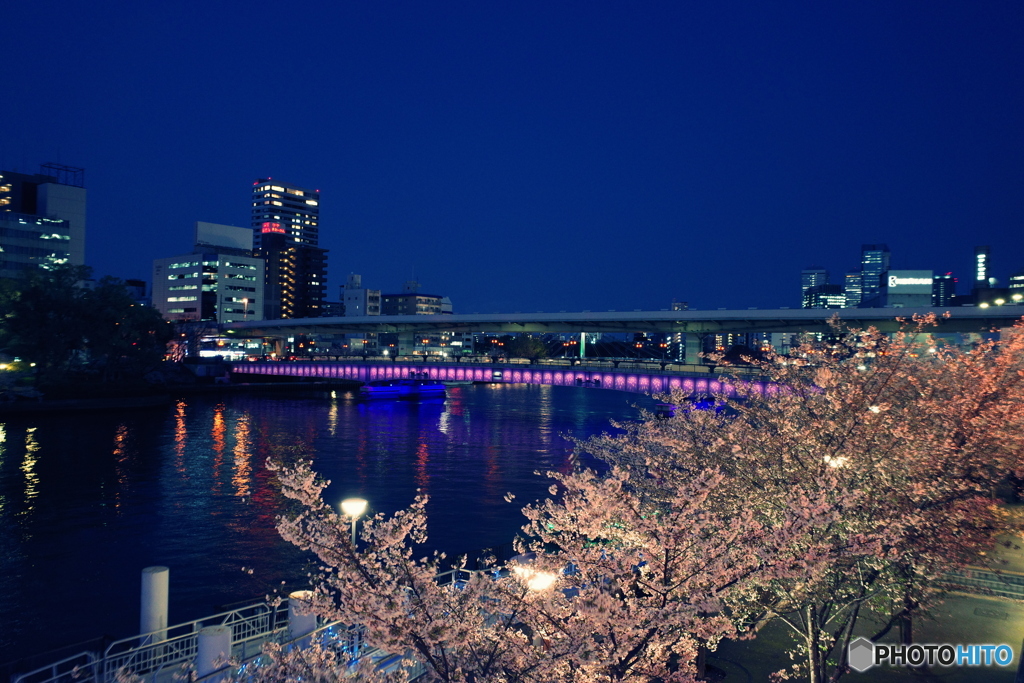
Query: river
x: 87, y: 500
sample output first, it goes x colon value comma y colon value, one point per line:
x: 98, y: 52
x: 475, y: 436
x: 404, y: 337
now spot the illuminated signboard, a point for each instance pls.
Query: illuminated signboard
x: 895, y: 281
x: 909, y: 281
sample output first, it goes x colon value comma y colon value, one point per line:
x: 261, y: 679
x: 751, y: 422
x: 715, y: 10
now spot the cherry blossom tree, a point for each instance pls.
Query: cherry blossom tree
x: 873, y: 467
x: 912, y: 440
x: 616, y: 589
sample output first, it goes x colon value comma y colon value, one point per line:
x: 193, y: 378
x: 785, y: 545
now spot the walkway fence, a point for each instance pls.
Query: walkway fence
x: 985, y: 582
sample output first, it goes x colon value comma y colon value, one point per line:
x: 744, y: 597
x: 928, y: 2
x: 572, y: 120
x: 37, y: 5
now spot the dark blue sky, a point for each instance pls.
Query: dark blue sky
x: 540, y: 156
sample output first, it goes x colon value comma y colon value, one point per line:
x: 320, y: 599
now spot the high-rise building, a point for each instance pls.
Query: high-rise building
x: 28, y: 242
x: 219, y: 280
x: 853, y: 289
x: 811, y: 277
x: 943, y: 290
x: 1017, y: 282
x: 981, y: 267
x: 296, y: 278
x: 824, y: 296
x: 285, y: 209
x: 286, y: 232
x: 874, y: 260
x: 907, y: 289
x: 57, y: 193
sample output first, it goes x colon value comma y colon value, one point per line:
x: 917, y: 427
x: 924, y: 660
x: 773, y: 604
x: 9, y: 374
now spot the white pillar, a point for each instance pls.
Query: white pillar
x: 301, y: 618
x: 153, y: 604
x: 213, y: 649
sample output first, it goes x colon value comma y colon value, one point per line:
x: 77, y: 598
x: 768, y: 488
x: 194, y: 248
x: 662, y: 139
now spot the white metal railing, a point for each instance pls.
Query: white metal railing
x: 172, y: 646
x: 155, y: 655
x: 149, y: 654
x: 76, y: 668
x: 334, y: 635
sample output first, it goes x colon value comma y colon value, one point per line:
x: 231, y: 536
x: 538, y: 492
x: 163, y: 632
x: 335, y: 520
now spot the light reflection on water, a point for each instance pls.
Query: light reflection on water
x: 87, y: 501
x: 28, y: 467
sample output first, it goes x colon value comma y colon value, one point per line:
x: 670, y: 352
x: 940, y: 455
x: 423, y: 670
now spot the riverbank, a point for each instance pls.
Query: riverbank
x: 69, y: 405
x: 106, y: 403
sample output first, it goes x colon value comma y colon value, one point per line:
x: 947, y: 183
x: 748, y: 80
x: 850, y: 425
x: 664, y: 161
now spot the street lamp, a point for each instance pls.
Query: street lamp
x: 534, y: 580
x: 354, y: 508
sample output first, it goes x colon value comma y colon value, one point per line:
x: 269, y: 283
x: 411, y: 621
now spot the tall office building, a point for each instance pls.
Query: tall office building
x: 28, y: 242
x: 907, y: 289
x: 824, y: 296
x: 814, y: 276
x: 296, y: 278
x: 853, y: 289
x: 286, y: 232
x: 218, y: 281
x: 1017, y: 282
x: 874, y: 260
x: 943, y: 290
x: 981, y: 267
x: 284, y: 209
x: 56, y: 193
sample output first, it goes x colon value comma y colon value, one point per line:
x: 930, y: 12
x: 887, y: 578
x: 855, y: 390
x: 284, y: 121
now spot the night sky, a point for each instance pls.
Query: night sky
x: 527, y: 156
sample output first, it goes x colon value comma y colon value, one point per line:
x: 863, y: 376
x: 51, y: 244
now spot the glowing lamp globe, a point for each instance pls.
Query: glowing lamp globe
x: 353, y: 507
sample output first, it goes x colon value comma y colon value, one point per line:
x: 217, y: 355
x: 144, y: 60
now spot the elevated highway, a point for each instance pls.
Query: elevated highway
x: 960, y: 319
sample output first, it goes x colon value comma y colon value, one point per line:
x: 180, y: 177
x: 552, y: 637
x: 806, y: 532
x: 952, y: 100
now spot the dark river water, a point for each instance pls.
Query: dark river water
x: 88, y: 500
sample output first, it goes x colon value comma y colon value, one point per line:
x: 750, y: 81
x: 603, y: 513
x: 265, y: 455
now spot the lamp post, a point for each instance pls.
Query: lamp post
x: 354, y: 508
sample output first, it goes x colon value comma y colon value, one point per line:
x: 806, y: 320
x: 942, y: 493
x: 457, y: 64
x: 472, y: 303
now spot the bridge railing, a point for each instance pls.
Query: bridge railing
x: 575, y: 363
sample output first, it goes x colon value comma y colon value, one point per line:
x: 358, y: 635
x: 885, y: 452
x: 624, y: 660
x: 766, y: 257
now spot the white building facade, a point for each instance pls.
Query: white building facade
x: 218, y: 281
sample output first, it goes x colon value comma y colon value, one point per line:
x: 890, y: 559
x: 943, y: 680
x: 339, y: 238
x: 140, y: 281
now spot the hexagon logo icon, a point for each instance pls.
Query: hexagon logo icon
x: 861, y: 655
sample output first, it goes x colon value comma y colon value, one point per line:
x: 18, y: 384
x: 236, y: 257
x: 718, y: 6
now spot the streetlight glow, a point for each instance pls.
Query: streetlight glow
x: 535, y: 580
x: 354, y: 508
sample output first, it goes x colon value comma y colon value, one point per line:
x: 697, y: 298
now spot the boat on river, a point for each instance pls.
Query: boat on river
x: 402, y: 388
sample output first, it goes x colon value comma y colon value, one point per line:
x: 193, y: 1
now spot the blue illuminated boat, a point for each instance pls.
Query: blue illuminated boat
x: 402, y: 388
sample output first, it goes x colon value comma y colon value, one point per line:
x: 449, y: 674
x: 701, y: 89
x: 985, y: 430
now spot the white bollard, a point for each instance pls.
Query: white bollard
x: 301, y: 619
x: 213, y: 649
x: 153, y: 606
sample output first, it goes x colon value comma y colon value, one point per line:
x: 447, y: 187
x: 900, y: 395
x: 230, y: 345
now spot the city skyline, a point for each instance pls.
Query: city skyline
x: 542, y: 158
